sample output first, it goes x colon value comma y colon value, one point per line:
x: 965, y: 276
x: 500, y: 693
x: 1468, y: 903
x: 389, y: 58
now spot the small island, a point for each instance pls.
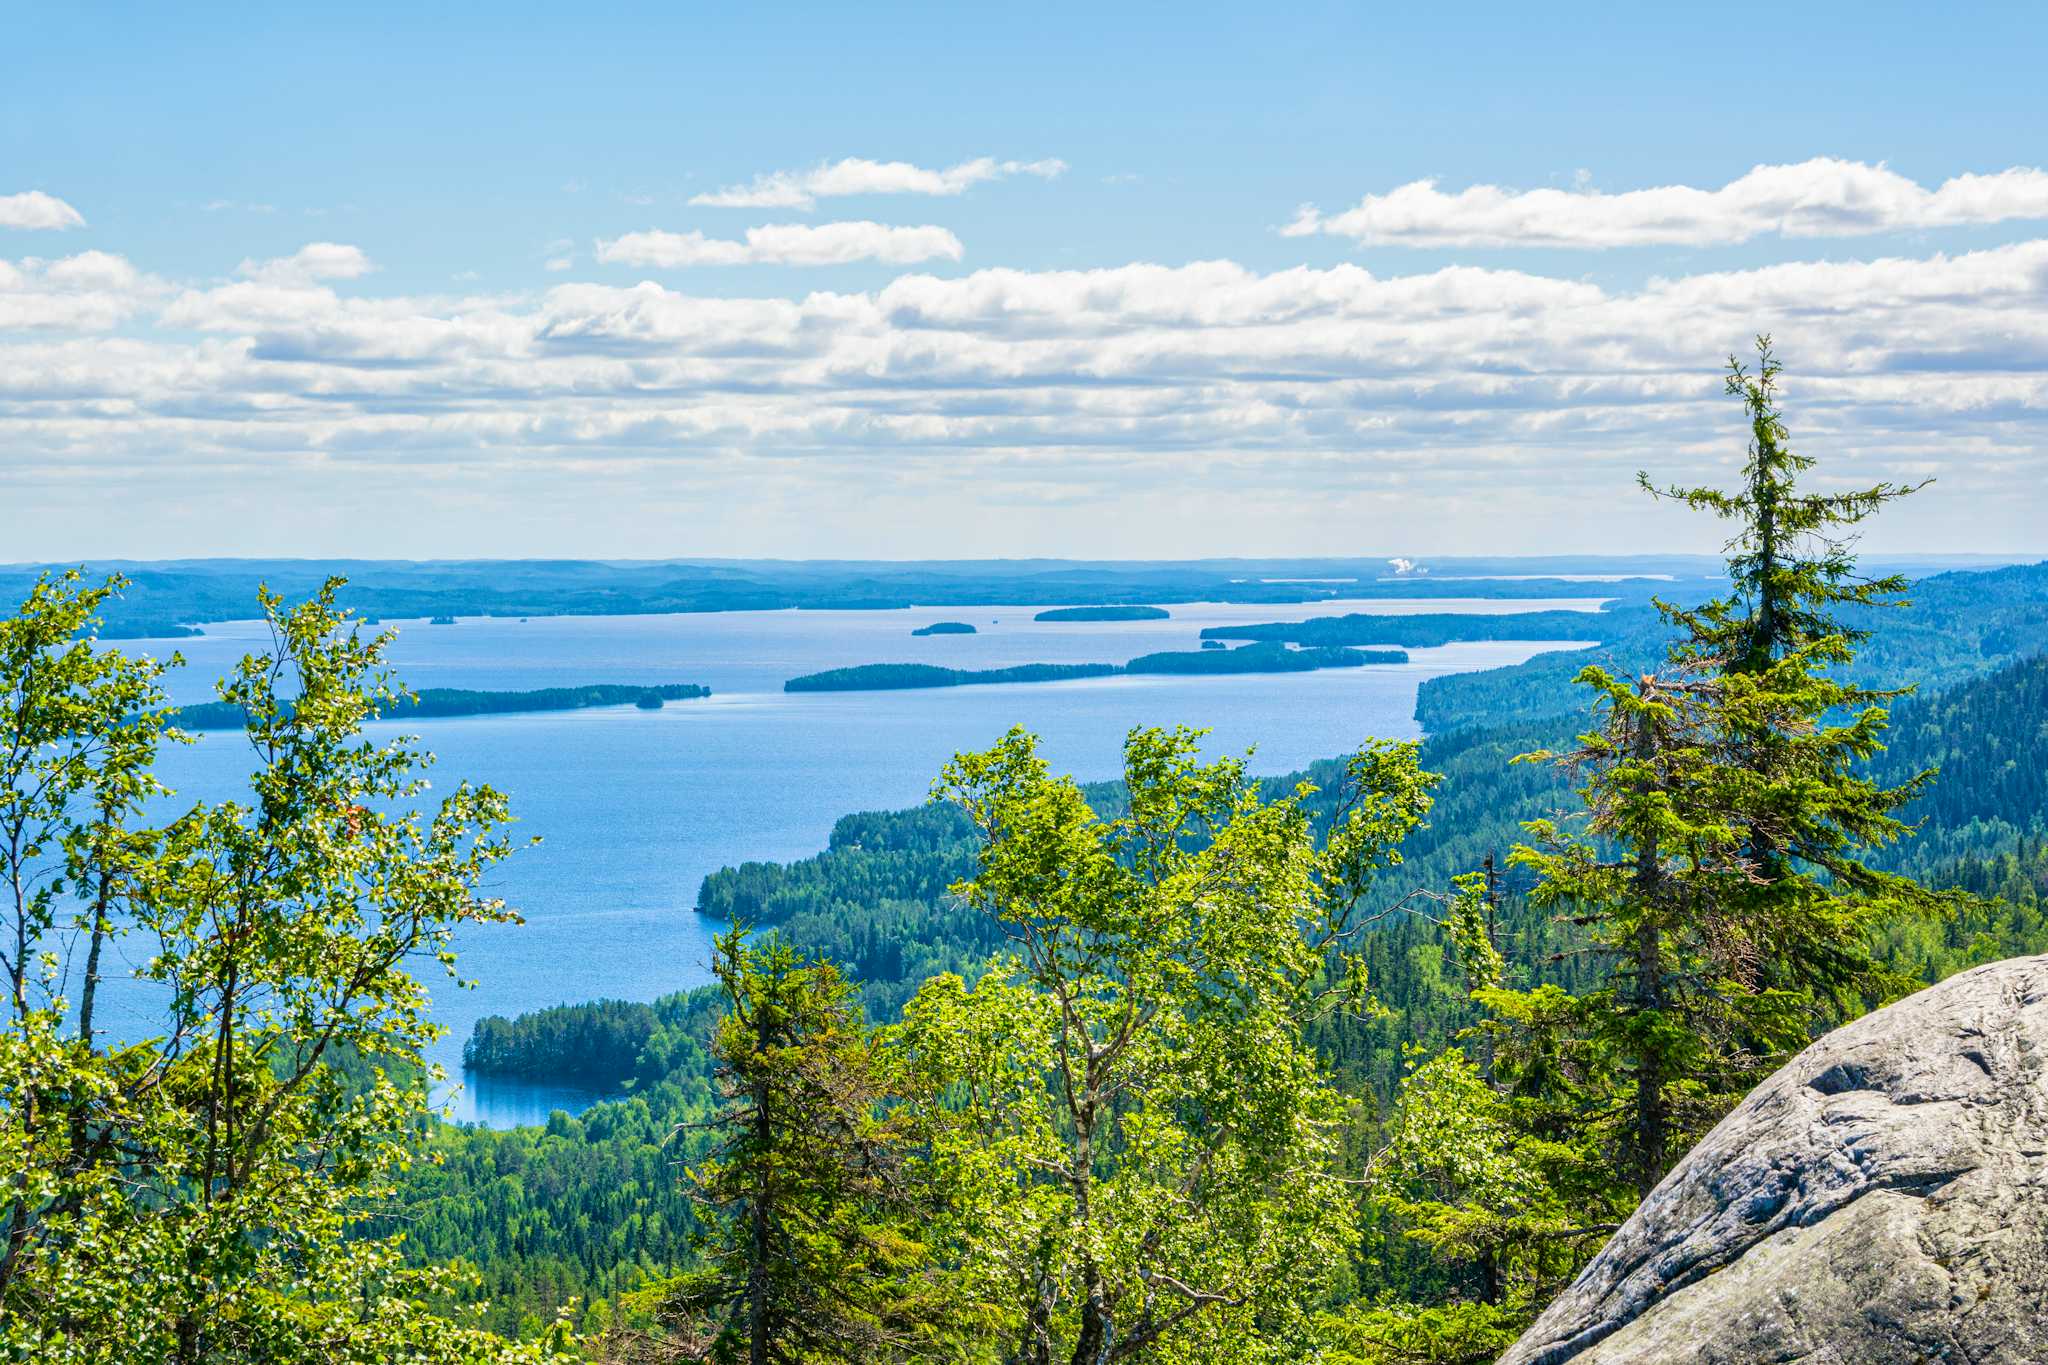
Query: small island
x: 1256, y: 658
x: 455, y: 701
x: 1105, y: 614
x: 945, y: 628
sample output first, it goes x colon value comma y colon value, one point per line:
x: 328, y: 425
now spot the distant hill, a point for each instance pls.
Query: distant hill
x: 169, y: 597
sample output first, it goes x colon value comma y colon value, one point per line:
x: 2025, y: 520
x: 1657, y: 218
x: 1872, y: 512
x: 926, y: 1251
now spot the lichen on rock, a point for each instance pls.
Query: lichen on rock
x: 1882, y: 1198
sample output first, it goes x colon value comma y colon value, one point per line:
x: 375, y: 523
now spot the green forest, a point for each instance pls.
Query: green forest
x: 1103, y: 614
x: 1258, y: 657
x: 888, y: 677
x: 173, y: 600
x: 456, y: 701
x: 1359, y: 1064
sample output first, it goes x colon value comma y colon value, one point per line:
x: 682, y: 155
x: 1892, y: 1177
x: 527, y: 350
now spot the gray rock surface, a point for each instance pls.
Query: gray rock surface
x: 1883, y: 1198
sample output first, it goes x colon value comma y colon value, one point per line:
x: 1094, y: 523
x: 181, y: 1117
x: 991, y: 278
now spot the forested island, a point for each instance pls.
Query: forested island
x: 945, y: 628
x: 145, y: 628
x: 1104, y: 614
x: 1258, y: 658
x: 454, y: 701
x: 888, y: 677
x: 1262, y: 658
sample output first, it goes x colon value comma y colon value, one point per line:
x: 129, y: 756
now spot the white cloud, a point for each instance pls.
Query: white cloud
x: 92, y: 291
x: 92, y: 270
x: 785, y: 244
x: 1328, y: 394
x: 1824, y: 197
x: 33, y: 209
x: 313, y: 261
x: 858, y: 175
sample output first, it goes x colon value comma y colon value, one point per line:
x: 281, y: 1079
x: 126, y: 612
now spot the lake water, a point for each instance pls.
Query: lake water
x: 635, y: 807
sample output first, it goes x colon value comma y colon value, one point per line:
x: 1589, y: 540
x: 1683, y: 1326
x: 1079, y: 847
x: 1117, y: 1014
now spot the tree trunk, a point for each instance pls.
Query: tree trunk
x: 91, y: 989
x: 1646, y: 996
x: 1091, y: 1341
x: 1653, y: 1119
x: 757, y: 1262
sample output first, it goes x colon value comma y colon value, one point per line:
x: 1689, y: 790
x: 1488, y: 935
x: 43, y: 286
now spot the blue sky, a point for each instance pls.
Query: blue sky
x: 384, y: 283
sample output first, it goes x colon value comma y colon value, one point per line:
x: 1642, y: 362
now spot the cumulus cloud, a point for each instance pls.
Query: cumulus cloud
x: 1289, y: 392
x: 785, y: 244
x: 92, y: 270
x: 33, y: 209
x: 92, y: 291
x: 1824, y: 197
x: 858, y: 175
x: 313, y: 261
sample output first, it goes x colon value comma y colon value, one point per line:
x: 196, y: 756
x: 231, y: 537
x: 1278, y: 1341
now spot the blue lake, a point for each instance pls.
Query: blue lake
x: 635, y: 807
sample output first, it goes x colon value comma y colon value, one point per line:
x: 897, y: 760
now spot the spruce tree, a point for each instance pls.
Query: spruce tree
x: 1721, y: 872
x: 1782, y: 645
x: 1644, y: 885
x: 1791, y: 560
x: 810, y: 1252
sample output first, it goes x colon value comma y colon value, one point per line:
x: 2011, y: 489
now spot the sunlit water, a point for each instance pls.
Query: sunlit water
x: 635, y: 807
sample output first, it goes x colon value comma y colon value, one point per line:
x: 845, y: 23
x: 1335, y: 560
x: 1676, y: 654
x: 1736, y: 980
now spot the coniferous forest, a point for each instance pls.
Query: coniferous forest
x: 1360, y: 1064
